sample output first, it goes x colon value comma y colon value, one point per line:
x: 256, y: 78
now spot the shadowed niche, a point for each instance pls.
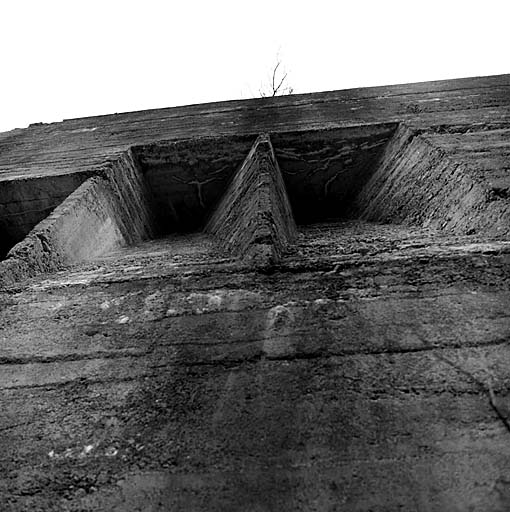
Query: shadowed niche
x: 249, y: 193
x: 322, y: 170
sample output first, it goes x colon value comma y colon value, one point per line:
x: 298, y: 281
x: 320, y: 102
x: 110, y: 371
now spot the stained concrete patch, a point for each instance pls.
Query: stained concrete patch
x: 163, y: 303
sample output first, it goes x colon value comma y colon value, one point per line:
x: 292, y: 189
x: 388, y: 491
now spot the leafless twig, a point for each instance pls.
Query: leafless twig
x: 277, y: 85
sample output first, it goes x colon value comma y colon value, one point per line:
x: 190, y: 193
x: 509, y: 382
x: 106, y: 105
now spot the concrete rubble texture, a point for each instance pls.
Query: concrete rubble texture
x: 290, y: 303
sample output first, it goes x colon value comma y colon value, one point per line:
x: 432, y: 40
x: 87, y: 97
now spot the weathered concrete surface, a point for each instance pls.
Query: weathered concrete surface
x: 366, y: 370
x: 60, y: 156
x: 75, y: 144
x: 458, y: 182
x: 26, y: 202
x: 150, y: 379
x: 101, y: 214
x: 188, y: 178
x: 325, y: 170
x: 253, y: 220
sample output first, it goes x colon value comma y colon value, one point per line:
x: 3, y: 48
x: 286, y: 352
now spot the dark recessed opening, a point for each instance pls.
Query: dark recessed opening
x: 6, y: 243
x: 186, y: 179
x: 323, y: 170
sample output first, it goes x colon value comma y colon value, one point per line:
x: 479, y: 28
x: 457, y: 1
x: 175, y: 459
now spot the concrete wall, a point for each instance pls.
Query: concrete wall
x: 104, y: 212
x: 366, y: 369
x: 419, y: 181
x: 158, y: 379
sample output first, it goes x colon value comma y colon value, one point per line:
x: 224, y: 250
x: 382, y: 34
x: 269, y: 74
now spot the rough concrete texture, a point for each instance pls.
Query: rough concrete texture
x: 27, y: 201
x: 254, y: 220
x: 366, y: 370
x: 187, y: 178
x: 418, y: 181
x: 324, y: 170
x: 101, y: 214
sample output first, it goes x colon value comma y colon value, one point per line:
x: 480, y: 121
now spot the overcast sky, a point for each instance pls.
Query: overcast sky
x: 64, y: 59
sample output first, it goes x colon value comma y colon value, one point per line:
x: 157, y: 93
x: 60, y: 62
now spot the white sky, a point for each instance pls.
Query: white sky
x: 74, y: 58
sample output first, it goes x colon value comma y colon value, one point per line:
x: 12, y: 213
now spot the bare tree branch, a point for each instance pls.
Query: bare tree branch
x: 275, y: 91
x: 276, y: 85
x: 274, y: 76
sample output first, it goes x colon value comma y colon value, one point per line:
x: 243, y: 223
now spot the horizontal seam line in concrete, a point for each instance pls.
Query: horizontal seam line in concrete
x: 16, y: 289
x: 298, y: 356
x: 288, y: 269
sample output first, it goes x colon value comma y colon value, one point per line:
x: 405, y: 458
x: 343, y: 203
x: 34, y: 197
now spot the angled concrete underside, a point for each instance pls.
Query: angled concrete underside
x: 299, y: 303
x: 420, y: 182
x: 254, y: 219
x: 107, y: 210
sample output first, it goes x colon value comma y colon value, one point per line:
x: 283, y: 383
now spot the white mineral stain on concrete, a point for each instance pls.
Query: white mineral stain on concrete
x: 60, y: 283
x: 84, y: 130
x: 204, y: 302
x: 111, y: 451
x: 209, y: 302
x: 214, y: 301
x: 74, y: 453
x: 87, y: 449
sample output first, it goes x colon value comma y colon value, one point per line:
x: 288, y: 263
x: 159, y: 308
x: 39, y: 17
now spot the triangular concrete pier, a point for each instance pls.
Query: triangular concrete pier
x: 254, y: 220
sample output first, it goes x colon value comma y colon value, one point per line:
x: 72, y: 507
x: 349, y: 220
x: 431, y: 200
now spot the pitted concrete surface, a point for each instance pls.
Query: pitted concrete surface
x: 151, y: 380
